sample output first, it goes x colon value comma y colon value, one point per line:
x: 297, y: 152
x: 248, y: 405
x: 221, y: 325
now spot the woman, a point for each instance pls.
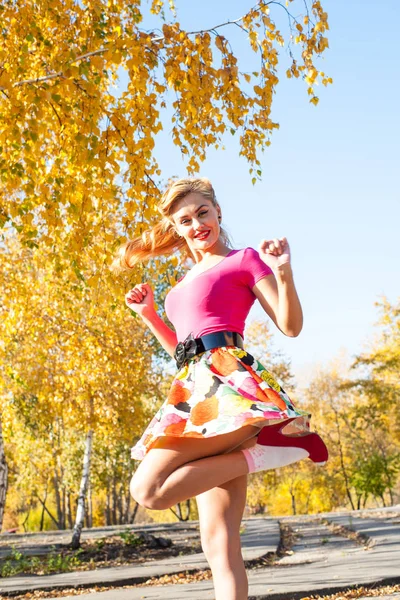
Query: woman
x: 224, y: 414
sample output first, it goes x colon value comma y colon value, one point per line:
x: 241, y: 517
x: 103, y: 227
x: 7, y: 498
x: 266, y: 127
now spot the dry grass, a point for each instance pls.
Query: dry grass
x: 341, y: 530
x: 360, y: 592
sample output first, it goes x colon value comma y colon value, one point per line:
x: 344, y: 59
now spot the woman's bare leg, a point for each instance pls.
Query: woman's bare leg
x: 220, y: 513
x: 180, y: 468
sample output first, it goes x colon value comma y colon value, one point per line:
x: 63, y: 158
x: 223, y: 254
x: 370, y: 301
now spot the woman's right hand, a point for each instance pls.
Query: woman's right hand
x: 140, y: 299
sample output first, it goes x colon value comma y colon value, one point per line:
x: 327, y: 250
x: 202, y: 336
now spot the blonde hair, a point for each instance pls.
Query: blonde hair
x: 162, y: 239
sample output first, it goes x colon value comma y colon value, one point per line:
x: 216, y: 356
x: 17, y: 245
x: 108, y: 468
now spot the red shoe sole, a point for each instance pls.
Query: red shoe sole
x: 312, y: 443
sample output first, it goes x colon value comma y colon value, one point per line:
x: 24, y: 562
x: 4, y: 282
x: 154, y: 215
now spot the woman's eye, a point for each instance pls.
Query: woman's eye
x: 201, y: 214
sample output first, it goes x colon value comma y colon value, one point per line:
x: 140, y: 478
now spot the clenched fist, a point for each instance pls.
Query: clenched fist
x: 140, y: 299
x: 274, y: 253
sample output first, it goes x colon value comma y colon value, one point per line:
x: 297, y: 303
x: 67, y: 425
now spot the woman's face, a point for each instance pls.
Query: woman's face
x: 196, y: 219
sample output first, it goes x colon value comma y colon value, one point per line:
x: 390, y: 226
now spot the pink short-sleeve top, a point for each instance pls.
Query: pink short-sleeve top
x: 219, y: 299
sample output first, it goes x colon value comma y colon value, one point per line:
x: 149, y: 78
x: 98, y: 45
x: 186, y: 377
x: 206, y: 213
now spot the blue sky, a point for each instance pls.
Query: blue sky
x: 329, y: 181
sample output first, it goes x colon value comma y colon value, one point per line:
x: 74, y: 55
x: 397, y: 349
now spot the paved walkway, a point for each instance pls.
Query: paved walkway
x: 321, y: 562
x: 260, y: 537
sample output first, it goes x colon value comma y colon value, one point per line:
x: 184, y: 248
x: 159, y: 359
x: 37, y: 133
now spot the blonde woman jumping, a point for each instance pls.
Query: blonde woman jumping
x: 225, y: 413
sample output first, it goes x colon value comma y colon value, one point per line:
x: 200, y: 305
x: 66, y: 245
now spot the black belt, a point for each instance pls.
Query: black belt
x: 192, y: 346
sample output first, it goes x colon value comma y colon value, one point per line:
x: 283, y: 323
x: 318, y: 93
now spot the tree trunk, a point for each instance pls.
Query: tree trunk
x: 90, y: 507
x: 121, y: 505
x: 43, y: 510
x: 64, y: 508
x: 108, y: 505
x: 57, y: 494
x: 80, y: 511
x: 114, y: 499
x: 68, y: 512
x: 127, y: 507
x: 86, y: 517
x: 179, y: 513
x: 346, y: 479
x: 3, y: 476
x: 56, y: 523
x: 293, y: 503
x: 26, y: 519
x: 134, y: 512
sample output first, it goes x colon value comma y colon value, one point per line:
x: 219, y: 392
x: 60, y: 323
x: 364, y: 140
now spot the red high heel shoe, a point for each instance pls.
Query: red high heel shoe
x: 271, y: 435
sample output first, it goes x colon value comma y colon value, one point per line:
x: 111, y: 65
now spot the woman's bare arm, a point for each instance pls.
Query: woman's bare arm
x: 140, y: 299
x: 278, y: 297
x: 162, y: 332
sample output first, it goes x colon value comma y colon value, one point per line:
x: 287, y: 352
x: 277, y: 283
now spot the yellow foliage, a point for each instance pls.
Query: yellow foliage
x: 84, y: 90
x: 72, y: 358
x: 358, y: 420
x: 170, y: 515
x: 73, y: 145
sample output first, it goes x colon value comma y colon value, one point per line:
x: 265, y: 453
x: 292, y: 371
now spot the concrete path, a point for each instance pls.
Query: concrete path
x: 322, y: 562
x: 260, y: 537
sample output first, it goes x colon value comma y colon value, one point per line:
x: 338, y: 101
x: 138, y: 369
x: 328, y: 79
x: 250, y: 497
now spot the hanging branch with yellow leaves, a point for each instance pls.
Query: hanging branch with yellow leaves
x: 76, y: 150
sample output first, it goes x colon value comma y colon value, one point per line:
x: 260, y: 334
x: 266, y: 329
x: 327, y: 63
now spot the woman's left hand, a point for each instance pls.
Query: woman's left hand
x: 274, y: 253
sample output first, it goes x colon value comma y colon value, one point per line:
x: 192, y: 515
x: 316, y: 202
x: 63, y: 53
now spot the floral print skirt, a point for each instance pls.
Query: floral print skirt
x: 219, y: 391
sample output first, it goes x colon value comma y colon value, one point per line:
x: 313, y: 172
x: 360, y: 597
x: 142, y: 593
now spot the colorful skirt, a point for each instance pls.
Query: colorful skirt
x: 219, y: 391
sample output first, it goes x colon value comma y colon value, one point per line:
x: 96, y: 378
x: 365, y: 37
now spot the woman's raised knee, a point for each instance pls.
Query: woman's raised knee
x: 146, y: 495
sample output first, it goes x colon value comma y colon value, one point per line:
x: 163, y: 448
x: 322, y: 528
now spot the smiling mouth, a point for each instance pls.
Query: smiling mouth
x: 203, y: 235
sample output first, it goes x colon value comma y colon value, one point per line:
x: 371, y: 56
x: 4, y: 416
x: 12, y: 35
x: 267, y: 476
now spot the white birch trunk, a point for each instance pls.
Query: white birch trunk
x: 3, y: 476
x: 80, y: 511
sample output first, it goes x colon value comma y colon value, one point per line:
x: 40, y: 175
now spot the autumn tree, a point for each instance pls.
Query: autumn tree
x: 85, y: 88
x: 377, y: 383
x: 72, y: 367
x: 75, y: 148
x: 356, y: 412
x: 304, y: 487
x: 377, y: 369
x: 330, y: 406
x: 260, y: 343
